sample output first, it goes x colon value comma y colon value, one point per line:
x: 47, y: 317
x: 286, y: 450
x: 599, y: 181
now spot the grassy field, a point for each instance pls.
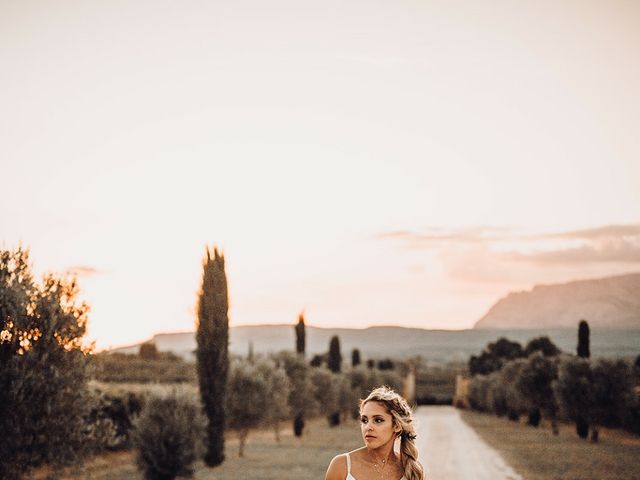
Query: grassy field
x: 292, y: 459
x: 538, y: 455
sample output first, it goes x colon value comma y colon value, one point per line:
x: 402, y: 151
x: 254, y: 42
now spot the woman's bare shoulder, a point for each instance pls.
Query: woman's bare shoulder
x: 337, y: 468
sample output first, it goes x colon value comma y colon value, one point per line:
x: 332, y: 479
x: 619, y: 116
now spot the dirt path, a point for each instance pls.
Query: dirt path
x: 451, y: 450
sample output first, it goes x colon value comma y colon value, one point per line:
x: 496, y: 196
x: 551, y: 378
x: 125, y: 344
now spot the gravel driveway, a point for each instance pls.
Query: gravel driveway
x: 451, y: 450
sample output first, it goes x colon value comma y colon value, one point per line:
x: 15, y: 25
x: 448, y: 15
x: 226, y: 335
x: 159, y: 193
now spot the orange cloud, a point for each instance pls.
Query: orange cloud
x: 82, y: 271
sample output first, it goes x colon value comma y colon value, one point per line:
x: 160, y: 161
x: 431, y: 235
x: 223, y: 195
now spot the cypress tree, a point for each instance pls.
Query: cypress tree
x: 301, y: 336
x: 583, y: 339
x: 334, y: 363
x: 355, y: 357
x: 583, y: 350
x: 212, y: 355
x: 301, y: 342
x: 335, y: 358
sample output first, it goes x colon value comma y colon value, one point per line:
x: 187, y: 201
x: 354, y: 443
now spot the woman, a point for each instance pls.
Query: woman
x: 384, y: 417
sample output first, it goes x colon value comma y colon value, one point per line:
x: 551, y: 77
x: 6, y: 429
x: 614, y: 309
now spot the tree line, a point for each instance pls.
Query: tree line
x: 539, y: 381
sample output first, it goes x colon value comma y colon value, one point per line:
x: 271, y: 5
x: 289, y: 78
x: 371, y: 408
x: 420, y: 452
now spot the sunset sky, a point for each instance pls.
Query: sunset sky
x: 370, y: 162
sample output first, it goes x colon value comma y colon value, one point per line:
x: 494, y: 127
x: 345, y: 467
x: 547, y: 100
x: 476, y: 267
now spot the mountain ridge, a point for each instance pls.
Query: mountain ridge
x: 608, y: 302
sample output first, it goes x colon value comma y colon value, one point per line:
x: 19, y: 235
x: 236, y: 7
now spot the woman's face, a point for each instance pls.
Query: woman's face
x: 376, y: 424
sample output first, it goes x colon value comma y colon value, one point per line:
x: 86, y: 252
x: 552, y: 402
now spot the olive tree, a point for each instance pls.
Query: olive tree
x: 611, y: 394
x: 301, y: 399
x: 43, y: 368
x: 536, y: 380
x: 516, y: 404
x: 325, y: 392
x: 496, y: 395
x: 278, y: 389
x: 245, y: 401
x: 573, y: 392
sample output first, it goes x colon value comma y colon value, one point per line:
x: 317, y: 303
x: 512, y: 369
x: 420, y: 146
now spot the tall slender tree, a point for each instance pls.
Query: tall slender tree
x: 212, y: 355
x: 583, y: 339
x: 301, y: 344
x: 335, y: 357
x: 355, y: 357
x: 334, y: 363
x: 583, y: 351
x: 301, y: 335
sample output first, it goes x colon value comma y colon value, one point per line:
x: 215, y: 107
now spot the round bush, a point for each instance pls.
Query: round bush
x: 168, y: 436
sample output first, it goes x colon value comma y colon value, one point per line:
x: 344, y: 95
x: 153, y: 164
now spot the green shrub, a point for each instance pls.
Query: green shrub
x: 168, y: 436
x: 109, y: 423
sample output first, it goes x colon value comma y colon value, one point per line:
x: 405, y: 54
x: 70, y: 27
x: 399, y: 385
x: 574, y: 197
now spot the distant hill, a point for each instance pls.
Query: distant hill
x: 612, y: 302
x: 436, y: 346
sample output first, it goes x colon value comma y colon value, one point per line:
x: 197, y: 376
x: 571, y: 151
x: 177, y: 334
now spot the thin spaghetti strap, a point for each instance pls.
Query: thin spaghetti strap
x: 348, y: 465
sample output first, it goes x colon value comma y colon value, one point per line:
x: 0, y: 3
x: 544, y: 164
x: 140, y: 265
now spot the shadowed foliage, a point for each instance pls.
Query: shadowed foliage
x: 541, y: 344
x: 43, y: 368
x: 494, y: 356
x: 611, y: 394
x: 583, y: 340
x: 109, y: 423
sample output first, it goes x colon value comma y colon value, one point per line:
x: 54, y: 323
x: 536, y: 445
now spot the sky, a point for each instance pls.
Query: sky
x: 371, y: 163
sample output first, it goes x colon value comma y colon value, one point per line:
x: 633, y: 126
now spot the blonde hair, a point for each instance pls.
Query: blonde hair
x: 402, y: 417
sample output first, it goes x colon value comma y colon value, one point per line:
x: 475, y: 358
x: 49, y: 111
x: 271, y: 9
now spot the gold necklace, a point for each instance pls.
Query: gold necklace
x: 380, y: 469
